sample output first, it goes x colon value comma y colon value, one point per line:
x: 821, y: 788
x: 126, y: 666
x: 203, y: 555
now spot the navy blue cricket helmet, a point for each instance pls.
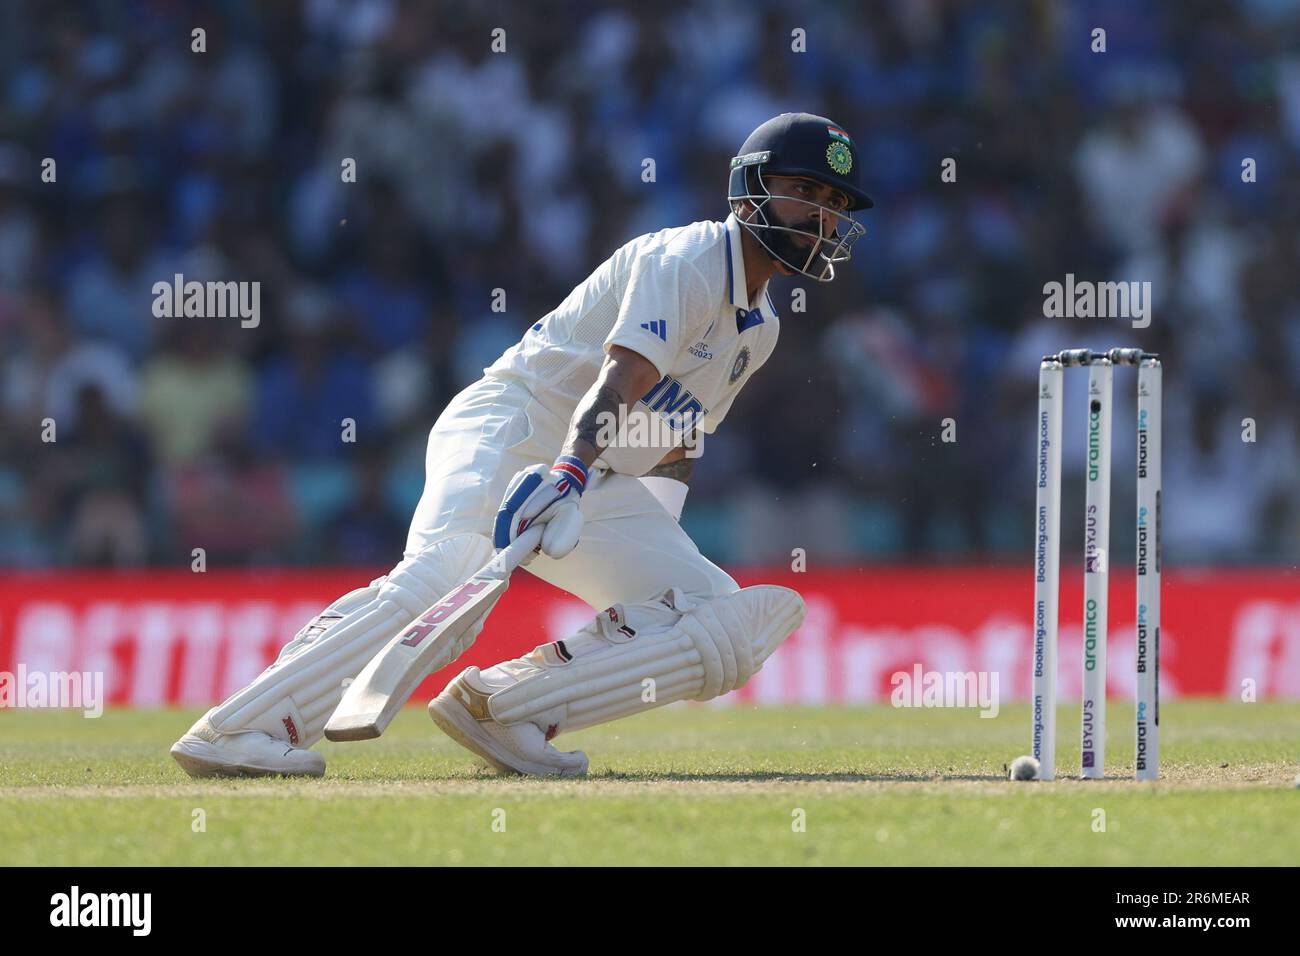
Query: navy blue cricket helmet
x: 811, y: 147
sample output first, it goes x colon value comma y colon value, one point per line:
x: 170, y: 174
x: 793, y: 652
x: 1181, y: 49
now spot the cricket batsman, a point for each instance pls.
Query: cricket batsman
x: 590, y: 426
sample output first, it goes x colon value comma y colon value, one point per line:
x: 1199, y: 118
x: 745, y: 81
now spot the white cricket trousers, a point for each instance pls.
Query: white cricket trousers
x: 631, y: 548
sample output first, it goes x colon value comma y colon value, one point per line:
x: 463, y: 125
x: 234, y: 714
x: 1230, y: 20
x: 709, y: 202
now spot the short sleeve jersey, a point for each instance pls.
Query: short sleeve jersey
x: 678, y: 298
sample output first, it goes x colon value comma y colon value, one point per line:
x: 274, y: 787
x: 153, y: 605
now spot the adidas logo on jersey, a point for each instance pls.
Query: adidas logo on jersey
x: 658, y: 326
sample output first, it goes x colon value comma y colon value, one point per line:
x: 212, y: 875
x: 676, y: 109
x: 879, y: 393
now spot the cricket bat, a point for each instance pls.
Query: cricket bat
x: 373, y: 699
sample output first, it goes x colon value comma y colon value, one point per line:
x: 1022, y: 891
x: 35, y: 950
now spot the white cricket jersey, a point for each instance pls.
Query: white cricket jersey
x: 677, y: 297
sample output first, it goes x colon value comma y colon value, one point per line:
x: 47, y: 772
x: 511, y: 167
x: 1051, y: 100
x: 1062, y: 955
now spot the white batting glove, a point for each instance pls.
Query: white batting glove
x: 542, y: 495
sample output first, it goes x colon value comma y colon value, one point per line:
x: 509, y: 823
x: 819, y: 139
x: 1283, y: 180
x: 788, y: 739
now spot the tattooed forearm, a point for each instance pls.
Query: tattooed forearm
x: 600, y: 408
x: 624, y: 377
x: 680, y: 470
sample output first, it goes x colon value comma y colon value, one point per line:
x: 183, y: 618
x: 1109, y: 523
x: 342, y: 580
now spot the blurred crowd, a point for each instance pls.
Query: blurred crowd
x: 522, y: 171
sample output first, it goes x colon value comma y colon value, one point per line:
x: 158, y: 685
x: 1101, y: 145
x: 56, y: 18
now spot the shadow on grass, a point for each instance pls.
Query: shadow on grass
x: 775, y: 776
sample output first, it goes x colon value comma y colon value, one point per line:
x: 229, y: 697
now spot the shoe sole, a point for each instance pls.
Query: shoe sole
x: 457, y: 723
x: 200, y: 759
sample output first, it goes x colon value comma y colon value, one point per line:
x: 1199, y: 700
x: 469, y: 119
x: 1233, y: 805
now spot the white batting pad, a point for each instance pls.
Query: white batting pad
x: 294, y: 697
x: 635, y: 657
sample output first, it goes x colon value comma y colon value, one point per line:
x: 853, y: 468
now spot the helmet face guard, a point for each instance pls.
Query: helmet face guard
x: 816, y: 260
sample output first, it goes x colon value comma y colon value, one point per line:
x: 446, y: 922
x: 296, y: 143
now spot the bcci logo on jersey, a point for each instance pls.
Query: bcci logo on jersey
x: 738, y: 367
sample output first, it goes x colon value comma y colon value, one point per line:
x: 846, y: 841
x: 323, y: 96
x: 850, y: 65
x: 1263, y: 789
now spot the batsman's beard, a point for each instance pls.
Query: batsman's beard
x: 784, y: 246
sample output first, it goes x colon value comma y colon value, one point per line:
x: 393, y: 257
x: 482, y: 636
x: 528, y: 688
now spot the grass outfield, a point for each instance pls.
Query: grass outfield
x: 687, y: 784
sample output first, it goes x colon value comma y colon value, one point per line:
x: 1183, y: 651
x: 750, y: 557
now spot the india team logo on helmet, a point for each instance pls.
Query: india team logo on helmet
x: 839, y: 158
x: 838, y: 155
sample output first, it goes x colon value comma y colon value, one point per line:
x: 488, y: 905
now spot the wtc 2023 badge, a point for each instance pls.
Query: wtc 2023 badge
x: 739, y: 366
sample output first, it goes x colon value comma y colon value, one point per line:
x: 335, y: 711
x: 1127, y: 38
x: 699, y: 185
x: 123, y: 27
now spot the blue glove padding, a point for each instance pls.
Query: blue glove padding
x: 549, y: 495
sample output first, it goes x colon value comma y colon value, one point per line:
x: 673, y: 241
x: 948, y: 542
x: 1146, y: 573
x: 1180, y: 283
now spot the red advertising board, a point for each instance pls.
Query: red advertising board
x: 178, y: 638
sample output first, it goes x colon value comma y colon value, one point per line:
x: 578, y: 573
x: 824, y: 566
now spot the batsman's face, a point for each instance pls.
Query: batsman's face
x: 806, y: 219
x: 807, y: 205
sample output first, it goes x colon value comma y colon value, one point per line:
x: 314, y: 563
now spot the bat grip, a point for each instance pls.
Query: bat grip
x: 520, y: 551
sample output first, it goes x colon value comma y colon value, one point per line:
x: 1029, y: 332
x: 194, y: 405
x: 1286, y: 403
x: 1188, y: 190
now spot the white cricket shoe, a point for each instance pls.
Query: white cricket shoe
x: 203, y: 752
x: 461, y: 710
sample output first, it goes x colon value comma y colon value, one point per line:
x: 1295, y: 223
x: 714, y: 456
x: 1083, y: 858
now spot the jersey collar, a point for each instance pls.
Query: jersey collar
x: 736, y: 284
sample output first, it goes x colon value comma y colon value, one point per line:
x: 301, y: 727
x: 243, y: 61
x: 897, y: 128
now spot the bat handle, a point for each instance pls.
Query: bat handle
x: 520, y: 551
